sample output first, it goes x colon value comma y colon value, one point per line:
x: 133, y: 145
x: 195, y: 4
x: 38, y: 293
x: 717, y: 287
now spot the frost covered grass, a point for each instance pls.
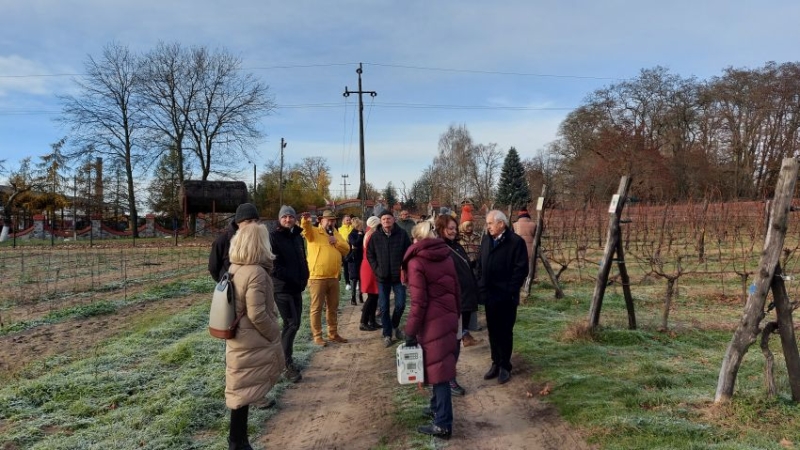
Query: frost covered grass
x: 159, y: 387
x: 651, y: 389
x: 112, y: 305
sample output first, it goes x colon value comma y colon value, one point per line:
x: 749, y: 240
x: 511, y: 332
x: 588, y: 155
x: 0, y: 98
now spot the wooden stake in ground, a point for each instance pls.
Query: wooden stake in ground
x: 537, y: 254
x: 748, y: 330
x: 613, y: 245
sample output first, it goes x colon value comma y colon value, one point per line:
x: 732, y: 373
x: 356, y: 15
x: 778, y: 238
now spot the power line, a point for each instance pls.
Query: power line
x: 494, y: 72
x: 397, y: 66
x: 339, y: 105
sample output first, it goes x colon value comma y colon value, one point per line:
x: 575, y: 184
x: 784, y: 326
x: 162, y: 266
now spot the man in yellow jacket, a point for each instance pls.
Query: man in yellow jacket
x: 325, y: 251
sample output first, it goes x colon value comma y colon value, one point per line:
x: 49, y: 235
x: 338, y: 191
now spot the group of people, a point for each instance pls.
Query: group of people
x: 449, y: 270
x: 445, y: 290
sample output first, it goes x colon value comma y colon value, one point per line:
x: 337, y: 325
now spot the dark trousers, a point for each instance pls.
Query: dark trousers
x: 369, y: 308
x: 442, y: 405
x: 500, y: 319
x: 353, y: 291
x: 384, y: 290
x: 290, y: 306
x: 465, y: 318
x: 346, y: 271
x: 238, y: 428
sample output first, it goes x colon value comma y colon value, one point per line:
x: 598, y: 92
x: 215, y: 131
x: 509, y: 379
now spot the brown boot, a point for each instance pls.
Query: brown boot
x: 469, y: 341
x: 337, y: 338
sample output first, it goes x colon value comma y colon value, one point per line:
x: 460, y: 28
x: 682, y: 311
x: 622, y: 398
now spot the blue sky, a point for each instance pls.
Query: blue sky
x: 520, y: 65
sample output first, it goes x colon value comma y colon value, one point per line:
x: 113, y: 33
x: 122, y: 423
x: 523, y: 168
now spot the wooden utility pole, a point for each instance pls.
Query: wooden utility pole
x: 613, y: 246
x: 280, y: 176
x: 344, y: 184
x: 362, y: 190
x: 748, y: 330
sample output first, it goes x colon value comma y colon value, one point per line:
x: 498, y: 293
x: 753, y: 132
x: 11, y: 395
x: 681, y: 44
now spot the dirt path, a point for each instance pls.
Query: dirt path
x: 345, y: 402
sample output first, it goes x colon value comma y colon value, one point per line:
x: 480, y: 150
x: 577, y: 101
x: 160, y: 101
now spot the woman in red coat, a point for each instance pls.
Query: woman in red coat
x: 433, y: 320
x: 368, y: 283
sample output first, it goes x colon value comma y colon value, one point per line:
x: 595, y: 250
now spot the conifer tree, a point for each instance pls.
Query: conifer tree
x: 513, y: 189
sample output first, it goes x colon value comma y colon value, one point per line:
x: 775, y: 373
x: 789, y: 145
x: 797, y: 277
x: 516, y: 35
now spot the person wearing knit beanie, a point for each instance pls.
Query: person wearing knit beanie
x: 246, y: 211
x: 287, y: 211
x: 218, y: 259
x: 289, y: 277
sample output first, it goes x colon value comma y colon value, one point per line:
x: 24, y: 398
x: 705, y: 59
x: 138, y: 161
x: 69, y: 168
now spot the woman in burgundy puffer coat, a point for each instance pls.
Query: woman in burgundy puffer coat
x: 433, y: 320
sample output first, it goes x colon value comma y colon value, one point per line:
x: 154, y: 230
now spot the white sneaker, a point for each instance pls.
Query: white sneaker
x: 347, y: 287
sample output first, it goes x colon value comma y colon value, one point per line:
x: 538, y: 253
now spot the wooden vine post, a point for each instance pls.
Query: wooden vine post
x: 769, y: 277
x: 613, y: 247
x: 536, y: 254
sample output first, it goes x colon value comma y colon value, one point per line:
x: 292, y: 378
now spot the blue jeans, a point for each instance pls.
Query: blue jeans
x: 399, y: 305
x: 442, y: 405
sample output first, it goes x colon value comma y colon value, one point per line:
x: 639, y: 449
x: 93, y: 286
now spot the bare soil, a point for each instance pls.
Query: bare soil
x: 77, y: 336
x: 345, y: 402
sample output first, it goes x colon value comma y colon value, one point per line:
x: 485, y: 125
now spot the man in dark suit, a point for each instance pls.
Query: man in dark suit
x: 503, y: 266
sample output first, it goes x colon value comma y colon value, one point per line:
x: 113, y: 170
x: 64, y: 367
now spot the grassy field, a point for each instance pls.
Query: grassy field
x: 648, y: 388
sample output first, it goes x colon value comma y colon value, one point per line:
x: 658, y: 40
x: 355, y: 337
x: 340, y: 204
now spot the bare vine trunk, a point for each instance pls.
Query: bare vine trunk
x: 769, y: 358
x: 668, y: 295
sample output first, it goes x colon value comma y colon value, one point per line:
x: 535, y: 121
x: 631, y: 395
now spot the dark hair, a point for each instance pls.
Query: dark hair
x: 441, y: 223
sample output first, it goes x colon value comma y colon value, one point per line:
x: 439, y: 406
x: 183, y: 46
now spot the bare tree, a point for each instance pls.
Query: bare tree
x: 461, y: 169
x: 169, y: 88
x: 223, y: 121
x: 315, y: 174
x: 484, y: 171
x: 453, y: 164
x: 105, y: 118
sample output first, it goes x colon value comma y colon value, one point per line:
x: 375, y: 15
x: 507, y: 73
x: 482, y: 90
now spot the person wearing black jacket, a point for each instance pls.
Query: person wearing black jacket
x: 290, y: 277
x: 218, y: 261
x: 447, y: 229
x: 354, y: 258
x: 385, y: 252
x: 503, y: 266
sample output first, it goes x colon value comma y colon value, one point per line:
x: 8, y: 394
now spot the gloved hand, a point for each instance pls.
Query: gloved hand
x: 411, y: 341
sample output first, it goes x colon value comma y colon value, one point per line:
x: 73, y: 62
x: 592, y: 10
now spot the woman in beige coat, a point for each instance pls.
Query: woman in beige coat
x: 254, y: 358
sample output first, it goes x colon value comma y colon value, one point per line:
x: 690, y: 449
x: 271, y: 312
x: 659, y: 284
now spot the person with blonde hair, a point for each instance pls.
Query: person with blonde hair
x: 433, y: 321
x: 254, y: 358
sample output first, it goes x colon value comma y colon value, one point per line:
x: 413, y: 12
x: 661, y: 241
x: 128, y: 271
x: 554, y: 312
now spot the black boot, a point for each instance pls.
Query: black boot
x: 237, y: 437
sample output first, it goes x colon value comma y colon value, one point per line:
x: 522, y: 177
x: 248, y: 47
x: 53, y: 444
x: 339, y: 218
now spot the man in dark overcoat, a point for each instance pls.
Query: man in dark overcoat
x: 503, y: 266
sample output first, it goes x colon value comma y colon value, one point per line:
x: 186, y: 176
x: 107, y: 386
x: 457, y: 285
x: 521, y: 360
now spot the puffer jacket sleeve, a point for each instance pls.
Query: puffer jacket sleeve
x: 260, y: 312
